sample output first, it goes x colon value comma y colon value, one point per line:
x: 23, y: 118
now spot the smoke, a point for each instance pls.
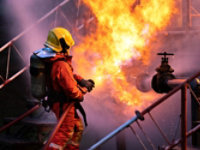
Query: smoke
x: 24, y: 14
x: 183, y: 41
x: 186, y: 57
x: 184, y: 46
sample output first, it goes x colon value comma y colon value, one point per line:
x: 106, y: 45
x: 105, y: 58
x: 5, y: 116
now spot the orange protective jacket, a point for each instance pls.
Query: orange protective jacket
x: 64, y: 81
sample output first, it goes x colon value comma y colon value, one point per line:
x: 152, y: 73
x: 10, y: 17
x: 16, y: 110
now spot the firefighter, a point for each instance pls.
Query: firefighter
x: 65, y: 88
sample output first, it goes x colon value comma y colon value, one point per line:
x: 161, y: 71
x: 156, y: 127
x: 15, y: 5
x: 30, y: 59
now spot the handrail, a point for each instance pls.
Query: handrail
x: 19, y: 118
x: 119, y: 129
x: 113, y: 133
x: 147, y: 110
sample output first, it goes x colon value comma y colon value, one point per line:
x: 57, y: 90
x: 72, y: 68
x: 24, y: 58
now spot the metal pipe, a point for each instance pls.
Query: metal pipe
x: 174, y: 82
x: 19, y: 118
x: 58, y: 125
x: 113, y: 133
x: 184, y: 117
x: 143, y: 82
x: 162, y: 99
x: 148, y: 109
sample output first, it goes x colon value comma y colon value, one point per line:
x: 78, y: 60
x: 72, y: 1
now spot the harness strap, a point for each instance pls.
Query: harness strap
x: 82, y: 111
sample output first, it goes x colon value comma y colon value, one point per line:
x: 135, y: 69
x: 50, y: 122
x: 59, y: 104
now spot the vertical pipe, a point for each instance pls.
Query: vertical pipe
x: 113, y: 133
x: 186, y: 14
x: 184, y: 117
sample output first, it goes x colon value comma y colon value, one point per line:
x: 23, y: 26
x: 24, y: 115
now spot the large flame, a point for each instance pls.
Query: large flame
x: 122, y: 34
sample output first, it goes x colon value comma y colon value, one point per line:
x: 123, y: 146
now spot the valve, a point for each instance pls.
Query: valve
x: 164, y: 73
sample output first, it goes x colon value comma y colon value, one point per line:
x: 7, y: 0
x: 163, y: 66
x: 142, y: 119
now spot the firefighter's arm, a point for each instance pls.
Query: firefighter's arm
x: 78, y: 78
x: 68, y: 83
x: 86, y: 85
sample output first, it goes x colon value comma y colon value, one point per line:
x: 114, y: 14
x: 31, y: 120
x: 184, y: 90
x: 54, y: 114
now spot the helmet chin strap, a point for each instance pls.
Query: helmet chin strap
x: 65, y: 46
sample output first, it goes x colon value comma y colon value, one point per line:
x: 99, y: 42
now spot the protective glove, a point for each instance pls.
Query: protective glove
x: 89, y: 84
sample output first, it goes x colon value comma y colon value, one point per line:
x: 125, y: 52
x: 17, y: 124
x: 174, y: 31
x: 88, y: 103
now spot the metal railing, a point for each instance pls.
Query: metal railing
x: 183, y: 87
x: 3, y: 128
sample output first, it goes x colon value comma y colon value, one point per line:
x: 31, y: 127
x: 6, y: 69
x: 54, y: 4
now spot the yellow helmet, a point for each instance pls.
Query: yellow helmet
x: 54, y: 39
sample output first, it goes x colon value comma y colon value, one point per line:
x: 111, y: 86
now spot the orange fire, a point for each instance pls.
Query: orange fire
x: 122, y: 34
